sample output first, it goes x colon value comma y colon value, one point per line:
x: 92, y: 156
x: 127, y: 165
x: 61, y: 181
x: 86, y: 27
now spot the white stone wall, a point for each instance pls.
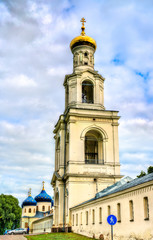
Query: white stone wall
x: 125, y: 229
x: 43, y: 225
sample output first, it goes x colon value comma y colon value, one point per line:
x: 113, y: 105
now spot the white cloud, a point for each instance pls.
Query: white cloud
x: 34, y: 58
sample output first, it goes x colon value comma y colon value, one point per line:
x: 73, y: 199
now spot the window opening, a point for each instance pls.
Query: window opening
x: 77, y: 219
x: 131, y: 210
x: 29, y: 210
x: 146, y: 208
x: 73, y: 219
x: 100, y: 215
x: 93, y: 148
x: 119, y: 212
x: 93, y: 216
x: 87, y: 91
x: 109, y: 210
x: 43, y: 208
x: 81, y: 218
x: 86, y: 217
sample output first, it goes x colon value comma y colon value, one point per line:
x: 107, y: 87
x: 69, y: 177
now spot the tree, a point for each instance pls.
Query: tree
x: 149, y: 170
x: 141, y: 174
x: 10, y: 213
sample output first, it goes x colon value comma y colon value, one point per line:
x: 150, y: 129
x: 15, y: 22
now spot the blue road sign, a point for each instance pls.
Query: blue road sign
x: 112, y: 220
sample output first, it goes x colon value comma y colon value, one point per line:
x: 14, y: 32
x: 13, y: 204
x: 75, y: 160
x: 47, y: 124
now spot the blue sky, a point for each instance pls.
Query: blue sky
x: 34, y: 58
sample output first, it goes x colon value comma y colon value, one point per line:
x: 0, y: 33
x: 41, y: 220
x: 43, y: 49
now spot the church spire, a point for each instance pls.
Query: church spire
x: 29, y: 192
x: 83, y: 39
x: 43, y: 185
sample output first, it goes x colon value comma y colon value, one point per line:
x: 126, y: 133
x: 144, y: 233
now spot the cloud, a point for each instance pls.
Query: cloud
x: 34, y: 58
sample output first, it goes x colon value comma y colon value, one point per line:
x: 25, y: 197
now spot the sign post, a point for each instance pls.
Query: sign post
x: 112, y: 220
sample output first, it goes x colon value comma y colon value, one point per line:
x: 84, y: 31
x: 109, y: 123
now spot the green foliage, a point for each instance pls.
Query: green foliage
x: 10, y: 213
x: 58, y: 236
x: 141, y: 174
x: 150, y: 169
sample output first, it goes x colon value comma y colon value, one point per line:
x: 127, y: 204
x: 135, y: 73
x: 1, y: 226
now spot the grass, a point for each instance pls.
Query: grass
x: 59, y: 236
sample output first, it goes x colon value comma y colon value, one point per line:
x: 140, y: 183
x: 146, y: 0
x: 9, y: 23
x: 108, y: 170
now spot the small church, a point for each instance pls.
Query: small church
x: 87, y: 183
x: 37, y: 213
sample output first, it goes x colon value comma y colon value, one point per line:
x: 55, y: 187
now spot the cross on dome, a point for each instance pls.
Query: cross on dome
x: 43, y: 185
x: 83, y: 27
x: 83, y: 21
x: 29, y: 193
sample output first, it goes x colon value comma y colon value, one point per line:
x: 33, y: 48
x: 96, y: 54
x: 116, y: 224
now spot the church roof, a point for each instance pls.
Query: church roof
x: 38, y: 215
x: 43, y: 196
x: 123, y: 184
x: 83, y: 39
x: 29, y: 201
x: 127, y: 185
x: 114, y: 187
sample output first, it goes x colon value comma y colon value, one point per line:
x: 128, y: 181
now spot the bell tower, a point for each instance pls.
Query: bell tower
x: 86, y: 135
x: 84, y: 88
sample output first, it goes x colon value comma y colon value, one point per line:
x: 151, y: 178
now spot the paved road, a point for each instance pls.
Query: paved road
x: 12, y: 237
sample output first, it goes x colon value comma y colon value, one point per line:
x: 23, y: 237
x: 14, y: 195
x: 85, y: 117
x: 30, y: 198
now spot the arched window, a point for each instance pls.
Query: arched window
x: 34, y: 210
x: 93, y: 148
x: 25, y: 210
x: 48, y: 208
x: 87, y: 92
x: 29, y: 210
x: 86, y: 54
x: 43, y: 208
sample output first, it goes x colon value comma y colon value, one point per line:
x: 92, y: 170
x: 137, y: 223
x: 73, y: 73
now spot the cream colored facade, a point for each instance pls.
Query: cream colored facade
x: 37, y: 212
x: 43, y: 206
x: 43, y: 225
x: 134, y: 221
x: 87, y: 161
x: 82, y: 170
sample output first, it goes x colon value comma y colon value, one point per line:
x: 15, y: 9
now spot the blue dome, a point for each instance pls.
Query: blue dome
x: 43, y: 197
x: 29, y: 201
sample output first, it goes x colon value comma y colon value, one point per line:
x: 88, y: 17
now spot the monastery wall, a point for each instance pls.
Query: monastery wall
x: 133, y: 208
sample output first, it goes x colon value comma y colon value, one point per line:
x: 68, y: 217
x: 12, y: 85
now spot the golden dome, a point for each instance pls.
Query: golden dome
x: 83, y: 39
